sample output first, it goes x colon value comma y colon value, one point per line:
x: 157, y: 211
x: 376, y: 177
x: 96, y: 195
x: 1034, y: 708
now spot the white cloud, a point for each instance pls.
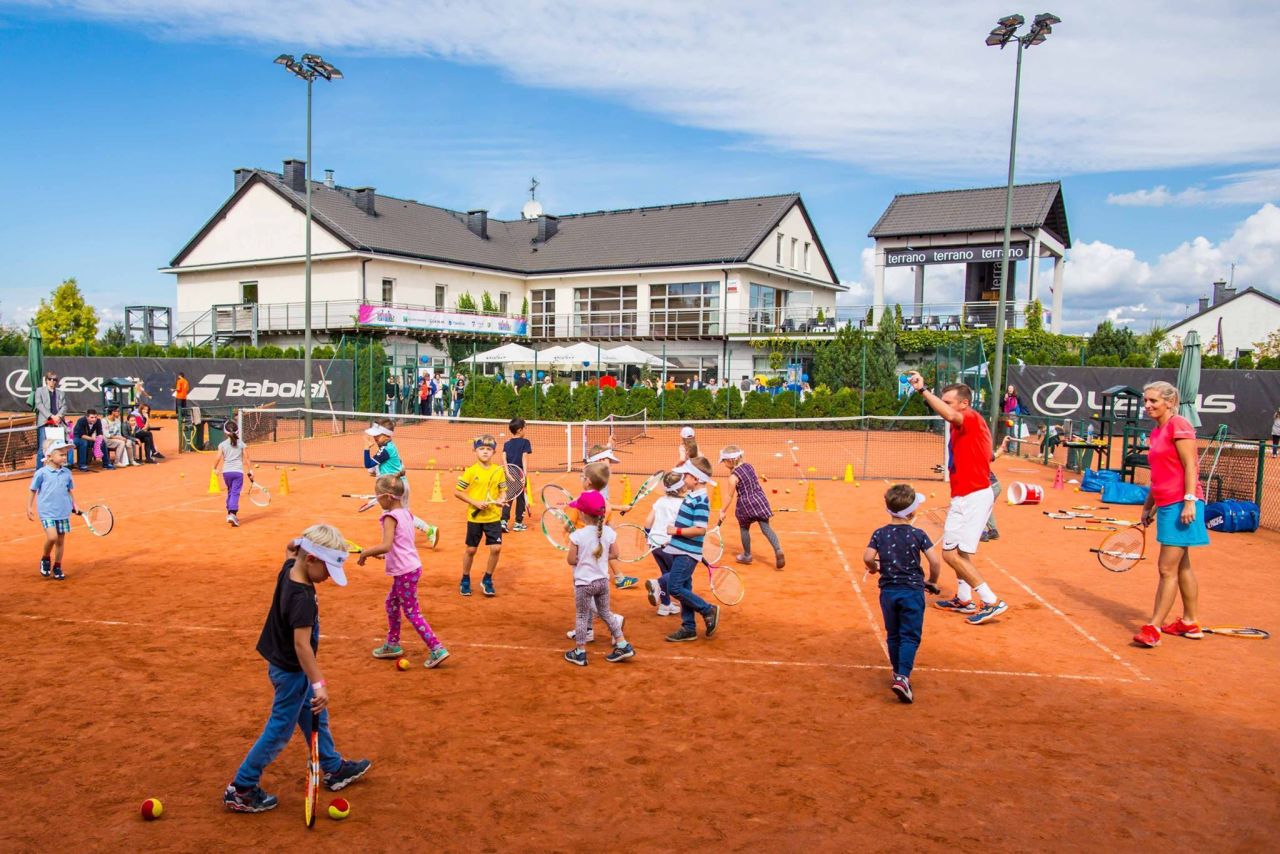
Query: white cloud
x: 1262, y: 185
x: 856, y: 82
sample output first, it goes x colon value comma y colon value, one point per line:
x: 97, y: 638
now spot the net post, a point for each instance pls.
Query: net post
x: 1258, y: 478
x: 568, y: 446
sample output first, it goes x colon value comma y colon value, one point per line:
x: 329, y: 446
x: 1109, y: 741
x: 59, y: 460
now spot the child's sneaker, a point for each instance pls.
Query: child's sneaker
x: 57, y: 573
x: 45, y: 567
x: 681, y: 635
x: 486, y: 584
x: 232, y: 520
x: 779, y: 560
x: 622, y: 582
x: 248, y: 800
x: 465, y: 586
x: 744, y: 558
x: 902, y: 687
x: 520, y: 526
x: 1181, y: 628
x: 576, y: 656
x: 591, y: 635
x: 620, y: 653
x: 433, y: 536
x: 987, y: 612
x: 388, y: 651
x: 1147, y: 636
x: 957, y: 605
x: 669, y: 610
x: 347, y: 773
x: 505, y: 529
x: 712, y: 620
x: 435, y: 657
x: 654, y: 589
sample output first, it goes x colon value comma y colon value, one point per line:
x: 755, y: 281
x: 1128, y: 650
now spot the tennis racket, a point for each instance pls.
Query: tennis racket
x: 713, y: 546
x: 633, y: 543
x: 506, y: 482
x: 1119, y: 551
x: 370, y: 501
x: 725, y: 583
x: 258, y: 494
x: 555, y: 495
x: 1248, y: 632
x: 98, y: 519
x: 1088, y: 527
x: 556, y: 527
x: 313, y: 772
x: 651, y: 483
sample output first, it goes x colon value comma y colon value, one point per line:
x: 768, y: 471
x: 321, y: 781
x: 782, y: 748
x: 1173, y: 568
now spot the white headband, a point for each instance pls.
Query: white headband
x: 378, y: 430
x: 915, y: 505
x: 603, y: 455
x: 333, y: 558
x: 686, y: 432
x: 730, y: 455
x: 689, y: 468
x: 674, y: 488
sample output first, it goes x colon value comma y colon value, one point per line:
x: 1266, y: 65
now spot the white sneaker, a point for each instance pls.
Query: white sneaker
x: 573, y: 634
x: 235, y: 523
x: 669, y: 610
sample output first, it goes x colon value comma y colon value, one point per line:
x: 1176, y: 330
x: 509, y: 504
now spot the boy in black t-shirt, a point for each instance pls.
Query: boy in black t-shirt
x: 289, y: 641
x: 894, y: 553
x: 514, y: 450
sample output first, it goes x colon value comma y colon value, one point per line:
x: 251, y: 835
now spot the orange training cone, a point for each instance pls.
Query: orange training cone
x: 435, y: 490
x: 810, y: 501
x: 1057, y: 479
x: 214, y: 486
x: 284, y: 483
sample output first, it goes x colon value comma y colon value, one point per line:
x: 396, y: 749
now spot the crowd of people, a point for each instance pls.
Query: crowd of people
x: 110, y: 439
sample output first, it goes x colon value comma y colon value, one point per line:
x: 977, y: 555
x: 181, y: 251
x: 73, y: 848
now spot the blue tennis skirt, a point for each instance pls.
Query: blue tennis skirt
x: 1171, y: 532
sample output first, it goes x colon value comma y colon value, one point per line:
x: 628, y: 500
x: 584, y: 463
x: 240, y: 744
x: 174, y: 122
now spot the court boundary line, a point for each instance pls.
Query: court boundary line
x: 550, y: 650
x: 857, y: 587
x: 1132, y: 668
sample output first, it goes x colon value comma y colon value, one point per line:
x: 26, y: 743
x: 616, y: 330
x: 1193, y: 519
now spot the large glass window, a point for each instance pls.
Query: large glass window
x: 604, y: 312
x: 688, y: 308
x: 388, y: 291
x: 542, y: 313
x: 766, y: 309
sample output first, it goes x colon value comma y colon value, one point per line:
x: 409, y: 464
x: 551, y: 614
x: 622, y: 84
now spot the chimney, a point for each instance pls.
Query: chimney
x: 328, y: 178
x: 364, y: 200
x: 295, y: 175
x: 1219, y: 291
x: 242, y: 175
x: 1204, y: 303
x: 548, y: 225
x: 478, y: 223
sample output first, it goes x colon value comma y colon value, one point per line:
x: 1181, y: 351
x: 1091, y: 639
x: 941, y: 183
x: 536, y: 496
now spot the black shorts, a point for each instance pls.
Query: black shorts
x: 492, y: 533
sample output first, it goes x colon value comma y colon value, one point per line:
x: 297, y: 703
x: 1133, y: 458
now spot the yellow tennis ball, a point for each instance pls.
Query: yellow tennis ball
x: 403, y: 664
x: 339, y: 809
x: 182, y: 474
x: 152, y: 809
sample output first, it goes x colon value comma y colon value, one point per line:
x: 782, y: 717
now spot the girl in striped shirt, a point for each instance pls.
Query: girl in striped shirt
x: 751, y: 504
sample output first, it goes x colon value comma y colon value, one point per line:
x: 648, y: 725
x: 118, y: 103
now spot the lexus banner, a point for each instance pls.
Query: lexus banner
x: 214, y: 382
x: 1245, y: 401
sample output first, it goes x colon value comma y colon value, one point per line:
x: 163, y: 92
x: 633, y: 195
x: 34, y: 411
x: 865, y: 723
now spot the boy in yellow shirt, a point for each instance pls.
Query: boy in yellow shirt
x: 484, y: 518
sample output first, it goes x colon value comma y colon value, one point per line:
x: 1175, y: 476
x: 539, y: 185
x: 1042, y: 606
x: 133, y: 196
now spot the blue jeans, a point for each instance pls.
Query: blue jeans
x: 664, y: 565
x: 291, y: 707
x: 680, y: 586
x: 903, y: 609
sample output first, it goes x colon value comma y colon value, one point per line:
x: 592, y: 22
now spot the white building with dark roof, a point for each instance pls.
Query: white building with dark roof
x: 698, y: 281
x: 1229, y: 324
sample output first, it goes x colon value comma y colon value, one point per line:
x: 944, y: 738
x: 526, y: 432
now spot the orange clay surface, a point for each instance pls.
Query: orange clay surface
x: 1044, y: 730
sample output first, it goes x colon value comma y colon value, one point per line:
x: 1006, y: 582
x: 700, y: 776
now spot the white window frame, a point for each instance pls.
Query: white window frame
x: 781, y: 243
x: 795, y: 253
x: 542, y: 312
x: 807, y: 247
x: 442, y: 297
x: 504, y: 302
x: 256, y: 293
x: 388, y: 286
x: 683, y: 321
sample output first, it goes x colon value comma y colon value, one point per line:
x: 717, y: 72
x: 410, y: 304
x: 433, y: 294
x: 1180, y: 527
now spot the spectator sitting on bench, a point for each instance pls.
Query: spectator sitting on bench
x: 88, y: 434
x: 117, y: 444
x: 141, y: 418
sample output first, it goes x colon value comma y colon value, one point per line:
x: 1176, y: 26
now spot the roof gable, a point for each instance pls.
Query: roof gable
x: 958, y: 211
x: 1226, y: 302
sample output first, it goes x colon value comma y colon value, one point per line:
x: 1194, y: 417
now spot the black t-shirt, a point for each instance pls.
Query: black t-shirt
x: 900, y: 547
x: 293, y: 606
x: 515, y: 449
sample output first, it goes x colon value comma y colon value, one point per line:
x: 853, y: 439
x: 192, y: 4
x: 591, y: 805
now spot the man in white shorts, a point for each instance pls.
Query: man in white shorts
x: 969, y: 462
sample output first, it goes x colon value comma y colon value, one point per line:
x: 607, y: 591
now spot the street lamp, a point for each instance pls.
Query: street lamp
x: 308, y: 68
x: 1006, y: 31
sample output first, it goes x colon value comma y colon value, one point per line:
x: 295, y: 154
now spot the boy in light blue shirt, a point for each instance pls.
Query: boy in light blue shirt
x: 51, y: 488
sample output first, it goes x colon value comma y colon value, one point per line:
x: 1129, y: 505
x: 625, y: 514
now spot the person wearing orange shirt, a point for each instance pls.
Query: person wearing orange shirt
x: 181, y: 389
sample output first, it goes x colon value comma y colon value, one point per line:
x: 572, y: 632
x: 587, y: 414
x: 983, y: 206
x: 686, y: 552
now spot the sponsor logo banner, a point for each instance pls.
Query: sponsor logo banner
x: 1243, y: 400
x: 214, y: 382
x: 392, y: 317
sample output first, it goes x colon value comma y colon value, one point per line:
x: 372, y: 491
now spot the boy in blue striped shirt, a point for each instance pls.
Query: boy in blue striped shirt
x: 685, y: 549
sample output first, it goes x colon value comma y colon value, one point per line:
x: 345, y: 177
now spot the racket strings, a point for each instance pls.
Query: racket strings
x: 99, y: 518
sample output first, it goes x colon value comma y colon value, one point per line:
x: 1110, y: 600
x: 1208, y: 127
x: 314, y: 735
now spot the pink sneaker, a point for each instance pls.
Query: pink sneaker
x: 1147, y: 636
x: 1182, y: 628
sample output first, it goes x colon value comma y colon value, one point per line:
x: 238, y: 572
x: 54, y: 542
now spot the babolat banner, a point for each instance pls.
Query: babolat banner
x: 1246, y: 401
x: 214, y: 382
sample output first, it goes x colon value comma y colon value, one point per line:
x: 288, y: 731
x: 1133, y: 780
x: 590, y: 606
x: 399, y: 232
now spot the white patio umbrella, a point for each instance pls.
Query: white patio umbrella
x: 507, y: 354
x: 576, y: 355
x: 629, y: 355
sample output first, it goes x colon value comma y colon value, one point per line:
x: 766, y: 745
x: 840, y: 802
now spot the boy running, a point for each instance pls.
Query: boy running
x: 685, y: 549
x: 484, y: 518
x: 969, y: 461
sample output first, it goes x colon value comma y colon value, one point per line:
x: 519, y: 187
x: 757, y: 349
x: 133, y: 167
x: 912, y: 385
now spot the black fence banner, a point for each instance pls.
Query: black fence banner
x: 214, y: 382
x: 1246, y: 401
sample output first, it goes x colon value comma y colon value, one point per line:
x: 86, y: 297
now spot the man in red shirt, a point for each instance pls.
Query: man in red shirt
x: 969, y: 461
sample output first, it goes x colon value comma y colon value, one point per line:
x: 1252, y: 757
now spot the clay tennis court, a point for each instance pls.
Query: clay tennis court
x: 1044, y: 730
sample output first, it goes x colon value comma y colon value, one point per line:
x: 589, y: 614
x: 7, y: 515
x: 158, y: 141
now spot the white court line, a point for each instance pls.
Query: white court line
x: 857, y: 588
x: 549, y: 650
x: 1070, y: 622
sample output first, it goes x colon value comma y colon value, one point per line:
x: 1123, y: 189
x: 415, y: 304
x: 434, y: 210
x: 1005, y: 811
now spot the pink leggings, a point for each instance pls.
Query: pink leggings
x: 404, y: 597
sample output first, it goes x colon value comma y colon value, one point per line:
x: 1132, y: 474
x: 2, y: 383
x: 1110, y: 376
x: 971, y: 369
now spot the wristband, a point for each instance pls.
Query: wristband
x: 679, y: 532
x: 316, y: 686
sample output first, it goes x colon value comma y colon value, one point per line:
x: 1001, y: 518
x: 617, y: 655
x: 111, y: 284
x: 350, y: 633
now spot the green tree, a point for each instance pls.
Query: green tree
x: 67, y: 320
x: 838, y: 363
x: 1108, y: 340
x: 1035, y: 317
x: 882, y: 360
x: 115, y: 336
x: 487, y: 305
x: 466, y: 302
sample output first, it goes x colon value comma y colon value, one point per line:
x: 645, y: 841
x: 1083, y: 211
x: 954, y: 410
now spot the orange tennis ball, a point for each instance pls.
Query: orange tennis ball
x: 402, y: 664
x: 152, y: 809
x: 339, y: 809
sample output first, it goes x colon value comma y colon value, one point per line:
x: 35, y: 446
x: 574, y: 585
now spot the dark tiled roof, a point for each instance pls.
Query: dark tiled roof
x: 665, y: 235
x: 959, y: 211
x: 1190, y: 317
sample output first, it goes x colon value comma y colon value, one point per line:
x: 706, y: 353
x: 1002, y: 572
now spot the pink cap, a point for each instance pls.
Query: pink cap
x: 590, y: 502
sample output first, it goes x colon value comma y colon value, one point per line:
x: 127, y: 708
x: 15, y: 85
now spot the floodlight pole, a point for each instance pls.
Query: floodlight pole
x: 995, y: 376
x: 306, y: 279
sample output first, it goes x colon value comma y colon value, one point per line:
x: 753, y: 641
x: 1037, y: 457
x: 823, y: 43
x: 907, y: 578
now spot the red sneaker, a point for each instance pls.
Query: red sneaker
x: 1147, y: 636
x: 1182, y: 628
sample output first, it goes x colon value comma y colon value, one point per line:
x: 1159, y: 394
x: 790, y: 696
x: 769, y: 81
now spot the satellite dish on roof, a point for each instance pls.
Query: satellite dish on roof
x: 532, y: 209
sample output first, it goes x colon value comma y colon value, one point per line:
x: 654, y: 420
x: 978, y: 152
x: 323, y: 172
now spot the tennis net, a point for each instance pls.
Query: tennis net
x: 870, y: 447
x: 18, y: 450
x: 621, y: 429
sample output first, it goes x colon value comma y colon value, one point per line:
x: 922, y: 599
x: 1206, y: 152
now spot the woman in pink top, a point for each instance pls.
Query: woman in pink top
x: 405, y: 569
x: 1176, y: 504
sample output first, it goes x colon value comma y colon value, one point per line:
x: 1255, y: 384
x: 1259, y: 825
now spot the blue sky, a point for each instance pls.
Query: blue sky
x: 125, y: 119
